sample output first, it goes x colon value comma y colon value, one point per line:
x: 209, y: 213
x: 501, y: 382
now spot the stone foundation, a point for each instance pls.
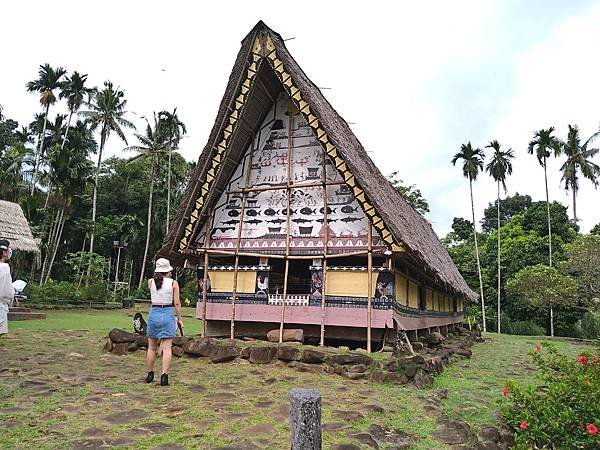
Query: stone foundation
x: 432, y: 353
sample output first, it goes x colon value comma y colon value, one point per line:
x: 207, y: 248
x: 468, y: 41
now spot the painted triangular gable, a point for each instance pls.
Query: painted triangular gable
x: 264, y: 52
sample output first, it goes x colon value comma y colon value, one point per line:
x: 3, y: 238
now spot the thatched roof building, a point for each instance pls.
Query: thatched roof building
x: 251, y: 89
x: 14, y: 227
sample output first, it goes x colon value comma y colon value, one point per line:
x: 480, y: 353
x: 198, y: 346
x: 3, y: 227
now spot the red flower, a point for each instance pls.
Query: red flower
x: 524, y: 425
x: 586, y: 382
x: 505, y: 392
x: 538, y: 348
x: 596, y: 359
x: 592, y: 429
x: 582, y: 360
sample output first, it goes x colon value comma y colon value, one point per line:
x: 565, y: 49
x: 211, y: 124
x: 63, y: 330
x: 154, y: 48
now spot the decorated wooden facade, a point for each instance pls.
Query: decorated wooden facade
x: 290, y: 224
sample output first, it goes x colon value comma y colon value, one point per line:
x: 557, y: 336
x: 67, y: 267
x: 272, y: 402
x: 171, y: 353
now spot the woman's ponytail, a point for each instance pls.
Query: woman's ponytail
x: 158, y: 279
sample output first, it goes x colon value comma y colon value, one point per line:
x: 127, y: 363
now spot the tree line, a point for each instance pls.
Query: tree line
x: 77, y: 202
x: 539, y: 281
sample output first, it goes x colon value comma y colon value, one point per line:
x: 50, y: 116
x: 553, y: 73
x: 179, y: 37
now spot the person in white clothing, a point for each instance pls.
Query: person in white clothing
x: 7, y: 292
x: 164, y: 293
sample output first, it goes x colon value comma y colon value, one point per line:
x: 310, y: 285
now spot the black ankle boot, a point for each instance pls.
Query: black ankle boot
x: 164, y: 379
x: 150, y: 377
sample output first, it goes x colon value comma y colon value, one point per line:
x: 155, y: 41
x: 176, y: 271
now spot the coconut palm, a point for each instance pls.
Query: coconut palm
x: 499, y: 167
x: 543, y: 145
x: 74, y: 90
x: 472, y: 163
x: 107, y: 113
x: 48, y: 81
x: 152, y: 147
x: 173, y: 130
x: 579, y: 159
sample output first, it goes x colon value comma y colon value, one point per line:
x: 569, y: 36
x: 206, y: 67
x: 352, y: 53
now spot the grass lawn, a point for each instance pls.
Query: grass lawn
x: 58, y: 390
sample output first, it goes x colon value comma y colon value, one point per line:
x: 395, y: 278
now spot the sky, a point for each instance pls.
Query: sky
x: 415, y: 80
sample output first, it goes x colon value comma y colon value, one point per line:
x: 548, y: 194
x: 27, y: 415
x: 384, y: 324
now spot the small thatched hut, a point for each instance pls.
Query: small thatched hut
x: 290, y: 223
x: 15, y: 228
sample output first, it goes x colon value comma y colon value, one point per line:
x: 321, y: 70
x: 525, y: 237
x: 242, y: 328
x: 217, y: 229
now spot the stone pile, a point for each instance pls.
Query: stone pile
x: 433, y: 352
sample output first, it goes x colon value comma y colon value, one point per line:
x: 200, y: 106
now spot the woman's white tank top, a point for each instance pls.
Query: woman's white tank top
x: 164, y: 295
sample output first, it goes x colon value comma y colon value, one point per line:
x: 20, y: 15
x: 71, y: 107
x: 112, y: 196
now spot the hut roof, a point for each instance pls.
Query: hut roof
x: 14, y: 227
x: 406, y: 227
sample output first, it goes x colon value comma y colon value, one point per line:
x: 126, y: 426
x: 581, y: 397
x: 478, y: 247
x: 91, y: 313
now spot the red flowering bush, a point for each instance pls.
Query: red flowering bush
x: 564, y: 412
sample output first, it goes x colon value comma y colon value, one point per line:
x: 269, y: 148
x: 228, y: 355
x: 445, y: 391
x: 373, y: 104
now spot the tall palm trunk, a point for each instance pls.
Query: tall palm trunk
x: 574, y: 201
x: 149, y: 223
x: 57, y: 240
x: 95, y: 197
x: 40, y: 149
x: 549, y: 242
x: 52, y: 233
x: 498, y: 204
x: 168, y: 193
x: 477, y: 256
x: 62, y: 146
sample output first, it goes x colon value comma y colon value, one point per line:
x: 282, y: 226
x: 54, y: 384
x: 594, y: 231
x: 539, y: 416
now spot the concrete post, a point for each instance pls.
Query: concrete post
x: 305, y: 419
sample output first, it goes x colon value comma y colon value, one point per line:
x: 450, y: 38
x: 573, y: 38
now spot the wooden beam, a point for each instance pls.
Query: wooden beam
x: 205, y: 276
x: 273, y: 187
x: 325, y: 243
x: 276, y: 256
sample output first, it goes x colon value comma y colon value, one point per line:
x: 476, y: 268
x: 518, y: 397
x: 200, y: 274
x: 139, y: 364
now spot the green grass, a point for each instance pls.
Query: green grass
x: 56, y: 415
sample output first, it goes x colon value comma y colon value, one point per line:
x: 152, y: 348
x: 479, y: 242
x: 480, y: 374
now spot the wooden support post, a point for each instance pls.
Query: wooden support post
x: 238, y: 241
x: 287, y: 226
x: 205, y: 275
x: 325, y: 243
x: 370, y: 283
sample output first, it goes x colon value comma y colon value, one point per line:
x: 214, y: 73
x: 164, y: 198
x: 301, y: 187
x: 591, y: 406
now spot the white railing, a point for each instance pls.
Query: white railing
x: 294, y: 300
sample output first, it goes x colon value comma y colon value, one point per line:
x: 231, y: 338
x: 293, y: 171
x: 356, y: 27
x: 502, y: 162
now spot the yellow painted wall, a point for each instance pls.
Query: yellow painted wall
x: 222, y: 281
x: 413, y: 295
x: 349, y: 283
x: 429, y: 299
x: 400, y: 289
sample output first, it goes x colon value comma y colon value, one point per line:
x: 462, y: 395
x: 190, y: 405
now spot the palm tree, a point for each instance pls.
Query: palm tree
x: 153, y: 146
x: 543, y: 145
x: 48, y: 81
x: 107, y: 112
x: 70, y: 171
x: 75, y: 90
x: 499, y: 168
x: 579, y: 159
x: 472, y: 163
x: 173, y: 130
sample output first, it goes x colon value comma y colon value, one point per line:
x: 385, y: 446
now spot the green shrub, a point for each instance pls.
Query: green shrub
x: 64, y: 293
x: 589, y: 328
x: 564, y: 412
x: 524, y: 328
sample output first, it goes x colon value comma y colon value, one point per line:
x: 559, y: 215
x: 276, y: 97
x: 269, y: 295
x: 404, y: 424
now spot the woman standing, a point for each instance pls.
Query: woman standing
x: 7, y: 292
x: 164, y: 293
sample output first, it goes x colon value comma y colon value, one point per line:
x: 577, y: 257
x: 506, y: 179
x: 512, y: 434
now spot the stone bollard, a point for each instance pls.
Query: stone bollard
x: 305, y: 415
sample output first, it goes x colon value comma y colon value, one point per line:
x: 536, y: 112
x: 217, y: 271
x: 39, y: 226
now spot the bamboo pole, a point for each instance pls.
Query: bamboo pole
x: 239, y: 239
x: 287, y: 226
x: 275, y: 187
x: 370, y: 284
x: 205, y: 274
x: 325, y: 243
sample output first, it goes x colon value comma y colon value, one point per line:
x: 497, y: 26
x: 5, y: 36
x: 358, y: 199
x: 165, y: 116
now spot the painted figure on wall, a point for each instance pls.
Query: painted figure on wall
x: 262, y: 284
x: 384, y: 289
x: 316, y: 289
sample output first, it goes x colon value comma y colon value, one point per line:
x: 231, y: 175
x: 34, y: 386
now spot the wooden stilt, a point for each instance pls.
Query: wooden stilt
x: 370, y: 284
x: 239, y: 238
x: 325, y: 243
x: 205, y: 275
x: 287, y: 226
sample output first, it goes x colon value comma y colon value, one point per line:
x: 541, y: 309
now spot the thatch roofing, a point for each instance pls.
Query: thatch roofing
x: 409, y: 229
x: 14, y: 227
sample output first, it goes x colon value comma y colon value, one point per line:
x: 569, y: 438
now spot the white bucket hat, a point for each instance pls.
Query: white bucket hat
x: 163, y: 265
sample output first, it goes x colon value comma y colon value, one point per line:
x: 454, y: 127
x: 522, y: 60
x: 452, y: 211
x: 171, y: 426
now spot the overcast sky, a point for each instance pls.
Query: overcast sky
x: 414, y: 79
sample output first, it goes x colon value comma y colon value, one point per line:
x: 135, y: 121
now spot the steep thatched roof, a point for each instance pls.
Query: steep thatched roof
x: 408, y: 228
x: 14, y: 227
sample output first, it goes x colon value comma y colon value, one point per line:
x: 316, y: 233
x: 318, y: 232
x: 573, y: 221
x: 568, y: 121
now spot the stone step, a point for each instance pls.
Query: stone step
x: 25, y: 316
x: 19, y: 309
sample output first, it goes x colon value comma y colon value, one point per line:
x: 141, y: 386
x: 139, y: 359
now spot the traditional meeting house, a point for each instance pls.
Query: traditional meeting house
x: 290, y: 224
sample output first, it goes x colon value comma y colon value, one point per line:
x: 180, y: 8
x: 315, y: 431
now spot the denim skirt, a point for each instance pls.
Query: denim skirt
x: 161, y: 323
